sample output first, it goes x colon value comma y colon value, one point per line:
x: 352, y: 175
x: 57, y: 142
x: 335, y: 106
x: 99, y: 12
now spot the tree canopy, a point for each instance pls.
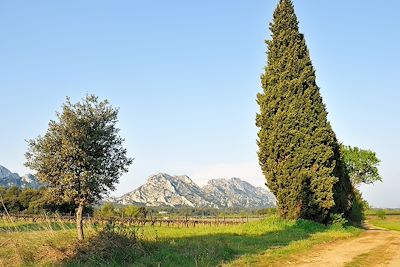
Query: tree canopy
x: 81, y: 157
x: 298, y: 150
x: 362, y: 165
x: 31, y: 201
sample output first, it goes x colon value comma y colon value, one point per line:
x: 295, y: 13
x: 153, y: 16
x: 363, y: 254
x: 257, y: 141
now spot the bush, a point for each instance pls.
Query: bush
x: 106, y: 211
x: 114, y: 245
x: 357, y: 212
x: 133, y: 211
x: 338, y: 220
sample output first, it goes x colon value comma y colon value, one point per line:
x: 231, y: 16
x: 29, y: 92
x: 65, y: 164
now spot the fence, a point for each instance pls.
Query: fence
x: 131, y: 221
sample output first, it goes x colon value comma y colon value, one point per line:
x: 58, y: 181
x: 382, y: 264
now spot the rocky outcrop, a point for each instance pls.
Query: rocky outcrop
x: 234, y: 192
x: 176, y: 191
x: 9, y: 179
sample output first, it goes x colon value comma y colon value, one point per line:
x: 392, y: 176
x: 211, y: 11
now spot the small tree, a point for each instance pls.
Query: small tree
x: 81, y: 157
x: 362, y: 165
x: 106, y: 211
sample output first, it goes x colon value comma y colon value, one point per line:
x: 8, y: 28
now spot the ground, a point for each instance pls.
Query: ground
x: 374, y: 247
x: 270, y: 242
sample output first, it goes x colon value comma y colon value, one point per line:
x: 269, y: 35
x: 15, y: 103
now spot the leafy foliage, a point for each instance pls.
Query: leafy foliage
x: 81, y: 156
x: 109, y: 210
x: 106, y: 211
x: 359, y: 207
x: 32, y: 201
x: 362, y: 165
x: 133, y: 211
x: 338, y: 220
x: 298, y: 150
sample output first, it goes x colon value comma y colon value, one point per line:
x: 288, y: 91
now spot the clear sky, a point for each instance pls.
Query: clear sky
x: 185, y: 75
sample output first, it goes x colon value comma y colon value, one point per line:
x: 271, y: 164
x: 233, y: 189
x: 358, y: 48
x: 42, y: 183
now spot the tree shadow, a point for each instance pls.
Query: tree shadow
x: 115, y: 249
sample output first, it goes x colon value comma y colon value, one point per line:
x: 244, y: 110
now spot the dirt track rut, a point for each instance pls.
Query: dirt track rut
x: 375, y: 247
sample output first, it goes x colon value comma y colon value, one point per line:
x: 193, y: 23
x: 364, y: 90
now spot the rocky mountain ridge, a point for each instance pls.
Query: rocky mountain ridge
x: 9, y: 179
x: 176, y: 191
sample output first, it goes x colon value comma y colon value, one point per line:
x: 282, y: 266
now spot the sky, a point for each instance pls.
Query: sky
x: 185, y: 75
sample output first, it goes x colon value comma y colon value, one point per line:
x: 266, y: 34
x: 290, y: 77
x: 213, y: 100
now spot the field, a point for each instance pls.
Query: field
x: 390, y: 222
x: 270, y: 240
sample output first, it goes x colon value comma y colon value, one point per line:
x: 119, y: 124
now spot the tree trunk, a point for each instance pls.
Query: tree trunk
x: 79, y: 225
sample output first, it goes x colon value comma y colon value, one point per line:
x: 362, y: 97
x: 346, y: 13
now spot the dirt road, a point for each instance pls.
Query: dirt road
x: 375, y: 247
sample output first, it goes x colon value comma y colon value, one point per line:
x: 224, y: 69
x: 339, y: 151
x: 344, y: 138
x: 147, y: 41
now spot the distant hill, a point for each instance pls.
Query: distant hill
x: 176, y: 191
x: 9, y: 179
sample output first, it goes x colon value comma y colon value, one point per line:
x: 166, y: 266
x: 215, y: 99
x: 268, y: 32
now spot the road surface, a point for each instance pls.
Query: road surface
x: 374, y: 247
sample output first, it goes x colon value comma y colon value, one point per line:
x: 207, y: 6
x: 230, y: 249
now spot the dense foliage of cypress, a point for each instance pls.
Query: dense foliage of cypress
x: 298, y: 150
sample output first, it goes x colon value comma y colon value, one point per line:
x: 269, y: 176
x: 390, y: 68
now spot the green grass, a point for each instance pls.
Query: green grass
x: 375, y: 257
x: 277, y: 256
x: 390, y: 222
x: 42, y: 248
x: 213, y: 246
x: 32, y: 226
x: 269, y: 240
x: 372, y: 212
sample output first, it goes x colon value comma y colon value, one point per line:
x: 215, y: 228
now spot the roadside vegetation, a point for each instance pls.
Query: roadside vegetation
x: 112, y: 245
x: 387, y: 219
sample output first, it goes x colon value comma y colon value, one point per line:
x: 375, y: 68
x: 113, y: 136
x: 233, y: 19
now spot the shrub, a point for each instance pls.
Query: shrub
x: 338, y: 220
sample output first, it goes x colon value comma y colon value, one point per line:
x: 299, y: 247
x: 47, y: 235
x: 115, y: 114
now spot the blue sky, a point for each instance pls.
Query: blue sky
x: 185, y: 75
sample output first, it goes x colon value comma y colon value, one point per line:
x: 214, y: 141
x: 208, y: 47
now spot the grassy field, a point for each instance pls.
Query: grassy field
x: 267, y: 242
x: 390, y: 222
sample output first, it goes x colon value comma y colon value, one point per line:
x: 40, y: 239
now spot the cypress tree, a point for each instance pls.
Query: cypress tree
x: 298, y: 150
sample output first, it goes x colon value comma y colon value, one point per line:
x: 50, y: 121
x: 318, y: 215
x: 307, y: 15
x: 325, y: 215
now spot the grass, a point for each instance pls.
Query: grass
x: 390, y: 222
x: 32, y: 226
x: 278, y: 256
x: 267, y: 241
x: 34, y: 247
x: 382, y: 211
x: 377, y: 257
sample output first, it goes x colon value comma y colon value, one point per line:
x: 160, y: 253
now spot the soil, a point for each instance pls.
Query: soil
x: 374, y: 247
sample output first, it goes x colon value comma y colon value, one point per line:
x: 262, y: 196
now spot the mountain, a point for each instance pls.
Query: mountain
x: 8, y: 179
x: 166, y: 190
x: 237, y: 193
x: 176, y: 191
x: 4, y: 172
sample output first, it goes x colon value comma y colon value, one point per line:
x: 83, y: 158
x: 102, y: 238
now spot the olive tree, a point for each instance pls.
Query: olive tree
x: 81, y: 156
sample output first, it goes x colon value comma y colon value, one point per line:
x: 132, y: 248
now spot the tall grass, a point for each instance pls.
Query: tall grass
x: 46, y: 242
x: 54, y: 243
x: 212, y: 246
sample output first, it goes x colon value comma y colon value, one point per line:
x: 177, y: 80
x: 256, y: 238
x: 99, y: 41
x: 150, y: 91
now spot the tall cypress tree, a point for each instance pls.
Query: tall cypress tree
x: 298, y: 150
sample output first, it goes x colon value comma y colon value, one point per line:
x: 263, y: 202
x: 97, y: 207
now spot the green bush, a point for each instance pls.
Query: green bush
x: 133, y: 211
x: 358, y: 209
x: 338, y: 220
x: 106, y: 211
